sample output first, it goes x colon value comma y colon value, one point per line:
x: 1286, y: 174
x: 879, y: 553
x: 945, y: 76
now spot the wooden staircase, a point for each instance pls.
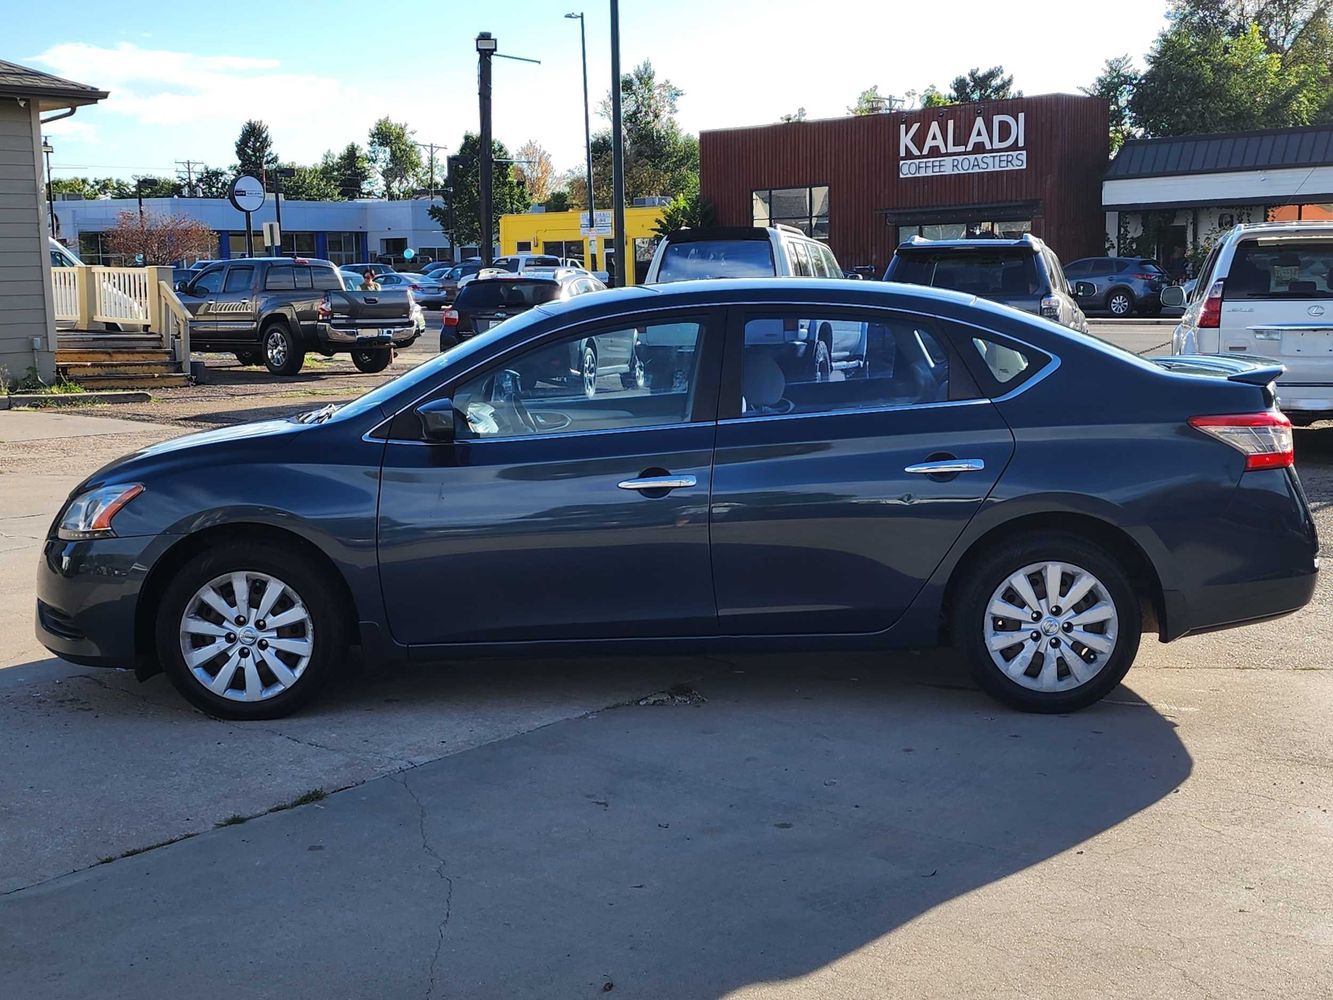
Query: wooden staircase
x: 98, y: 360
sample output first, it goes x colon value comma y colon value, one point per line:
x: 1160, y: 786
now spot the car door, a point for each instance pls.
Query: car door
x: 835, y: 499
x: 234, y: 307
x: 556, y: 514
x: 199, y: 298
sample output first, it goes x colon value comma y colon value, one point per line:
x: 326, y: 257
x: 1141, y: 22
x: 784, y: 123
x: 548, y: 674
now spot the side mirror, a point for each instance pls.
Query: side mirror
x: 1084, y: 289
x: 437, y: 420
x: 1173, y: 296
x: 854, y: 276
x: 182, y: 285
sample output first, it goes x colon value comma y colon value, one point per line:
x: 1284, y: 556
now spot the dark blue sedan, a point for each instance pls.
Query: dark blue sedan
x: 980, y: 478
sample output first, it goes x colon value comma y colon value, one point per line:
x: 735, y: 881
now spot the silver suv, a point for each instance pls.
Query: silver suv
x: 740, y: 252
x: 1024, y: 273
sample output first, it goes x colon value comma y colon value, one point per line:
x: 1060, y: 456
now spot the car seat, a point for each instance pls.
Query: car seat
x: 763, y: 385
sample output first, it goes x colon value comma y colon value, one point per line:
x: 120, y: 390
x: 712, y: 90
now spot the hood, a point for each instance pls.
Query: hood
x: 180, y: 447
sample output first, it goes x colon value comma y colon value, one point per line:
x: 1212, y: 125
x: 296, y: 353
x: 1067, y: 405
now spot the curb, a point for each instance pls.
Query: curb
x: 73, y: 398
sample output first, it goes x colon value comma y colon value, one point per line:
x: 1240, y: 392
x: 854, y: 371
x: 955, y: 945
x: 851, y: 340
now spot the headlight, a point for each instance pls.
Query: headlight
x: 89, y: 514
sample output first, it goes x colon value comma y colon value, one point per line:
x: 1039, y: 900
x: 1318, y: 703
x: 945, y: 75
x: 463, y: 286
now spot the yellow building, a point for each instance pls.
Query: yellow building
x: 559, y: 233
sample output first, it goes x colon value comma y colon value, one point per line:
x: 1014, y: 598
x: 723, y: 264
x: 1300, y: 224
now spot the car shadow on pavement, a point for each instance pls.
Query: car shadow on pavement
x: 755, y: 820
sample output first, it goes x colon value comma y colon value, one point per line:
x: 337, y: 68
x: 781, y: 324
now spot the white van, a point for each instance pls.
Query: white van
x: 1266, y: 290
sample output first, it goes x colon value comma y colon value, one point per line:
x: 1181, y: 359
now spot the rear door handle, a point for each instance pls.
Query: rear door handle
x: 658, y: 483
x: 945, y: 467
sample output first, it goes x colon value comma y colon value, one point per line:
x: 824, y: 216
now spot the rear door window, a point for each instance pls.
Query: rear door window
x: 1281, y: 269
x: 686, y: 261
x: 239, y: 279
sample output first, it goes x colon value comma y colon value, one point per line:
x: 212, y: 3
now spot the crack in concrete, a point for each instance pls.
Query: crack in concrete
x: 401, y: 778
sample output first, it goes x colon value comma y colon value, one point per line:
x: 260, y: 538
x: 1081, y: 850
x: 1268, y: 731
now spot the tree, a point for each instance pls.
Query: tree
x: 869, y: 102
x: 982, y: 85
x: 211, y: 182
x: 351, y: 171
x: 254, y: 151
x: 155, y: 187
x: 395, y: 157
x: 557, y: 202
x: 155, y: 238
x: 1116, y: 83
x: 576, y: 180
x: 317, y: 183
x: 933, y: 97
x: 686, y: 211
x: 795, y: 116
x: 464, y: 197
x: 537, y: 172
x: 660, y: 158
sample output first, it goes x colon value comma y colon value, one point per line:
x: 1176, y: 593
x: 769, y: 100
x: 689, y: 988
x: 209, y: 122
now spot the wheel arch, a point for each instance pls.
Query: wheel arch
x: 1118, y: 543
x: 1110, y: 292
x: 171, y: 561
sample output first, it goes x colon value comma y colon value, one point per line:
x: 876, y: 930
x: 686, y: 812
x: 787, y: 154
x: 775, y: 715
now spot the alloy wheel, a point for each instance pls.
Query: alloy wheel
x: 275, y: 344
x: 1120, y: 304
x: 589, y: 374
x: 1051, y: 626
x: 246, y: 636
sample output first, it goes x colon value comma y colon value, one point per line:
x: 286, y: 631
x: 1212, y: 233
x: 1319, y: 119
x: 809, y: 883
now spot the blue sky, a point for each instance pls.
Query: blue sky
x: 184, y: 77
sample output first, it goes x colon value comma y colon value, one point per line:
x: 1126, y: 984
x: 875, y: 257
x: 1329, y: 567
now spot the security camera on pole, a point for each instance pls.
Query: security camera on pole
x: 247, y: 195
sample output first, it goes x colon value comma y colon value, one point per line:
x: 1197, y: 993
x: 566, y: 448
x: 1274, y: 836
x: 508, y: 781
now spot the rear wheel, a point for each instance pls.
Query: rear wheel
x: 282, y: 355
x: 1120, y: 303
x: 369, y: 361
x: 250, y: 631
x: 588, y: 370
x: 1047, y: 622
x: 821, y: 369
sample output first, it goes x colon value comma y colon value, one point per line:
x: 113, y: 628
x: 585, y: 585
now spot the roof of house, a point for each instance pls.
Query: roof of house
x: 1267, y: 149
x: 49, y: 91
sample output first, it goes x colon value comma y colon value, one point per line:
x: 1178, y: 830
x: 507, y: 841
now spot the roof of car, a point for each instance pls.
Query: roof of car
x: 1025, y: 242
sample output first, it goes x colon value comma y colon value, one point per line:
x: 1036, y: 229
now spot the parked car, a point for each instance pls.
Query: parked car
x: 426, y: 291
x: 449, y: 280
x: 998, y: 483
x: 1266, y: 290
x: 515, y: 263
x: 815, y: 349
x: 1022, y: 273
x: 740, y: 252
x: 492, y: 299
x: 273, y: 310
x: 1122, y: 286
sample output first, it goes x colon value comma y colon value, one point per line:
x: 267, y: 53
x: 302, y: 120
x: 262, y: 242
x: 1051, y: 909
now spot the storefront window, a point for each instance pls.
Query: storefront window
x: 341, y: 248
x: 806, y: 208
x: 970, y: 229
x: 298, y: 244
x: 94, y: 249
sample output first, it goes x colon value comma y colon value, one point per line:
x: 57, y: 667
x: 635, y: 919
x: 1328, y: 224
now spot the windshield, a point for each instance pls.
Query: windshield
x: 987, y: 273
x: 520, y: 293
x: 1292, y: 269
x: 716, y: 259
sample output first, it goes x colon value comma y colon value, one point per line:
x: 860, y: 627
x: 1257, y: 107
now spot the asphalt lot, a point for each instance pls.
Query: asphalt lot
x: 791, y: 826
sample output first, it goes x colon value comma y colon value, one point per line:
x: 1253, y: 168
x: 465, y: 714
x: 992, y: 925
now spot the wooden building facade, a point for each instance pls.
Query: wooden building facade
x: 866, y: 183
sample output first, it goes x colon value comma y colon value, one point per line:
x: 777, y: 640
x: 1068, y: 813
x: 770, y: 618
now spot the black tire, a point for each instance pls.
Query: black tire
x: 250, y: 357
x: 1120, y: 302
x: 282, y: 354
x: 971, y: 620
x: 372, y: 361
x: 636, y: 377
x: 305, y: 582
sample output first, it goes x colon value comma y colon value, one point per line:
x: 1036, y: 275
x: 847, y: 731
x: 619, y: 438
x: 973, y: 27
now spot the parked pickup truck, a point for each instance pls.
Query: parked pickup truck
x: 275, y: 310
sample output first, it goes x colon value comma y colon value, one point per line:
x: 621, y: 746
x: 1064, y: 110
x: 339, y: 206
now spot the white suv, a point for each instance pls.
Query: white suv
x: 740, y: 252
x: 1266, y: 290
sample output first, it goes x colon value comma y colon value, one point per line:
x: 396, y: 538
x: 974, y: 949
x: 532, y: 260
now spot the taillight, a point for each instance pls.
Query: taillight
x: 325, y: 311
x: 449, y: 317
x: 1144, y: 276
x: 1050, y: 307
x: 1211, y: 314
x: 1263, y: 438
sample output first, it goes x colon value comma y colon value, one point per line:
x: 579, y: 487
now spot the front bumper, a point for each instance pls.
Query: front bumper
x: 87, y: 597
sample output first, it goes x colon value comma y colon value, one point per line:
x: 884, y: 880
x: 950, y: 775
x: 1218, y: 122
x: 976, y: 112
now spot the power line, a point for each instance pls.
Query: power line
x: 187, y: 166
x: 432, y: 147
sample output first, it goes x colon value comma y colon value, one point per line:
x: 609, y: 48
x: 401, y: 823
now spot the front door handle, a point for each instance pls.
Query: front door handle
x: 946, y: 467
x: 658, y: 483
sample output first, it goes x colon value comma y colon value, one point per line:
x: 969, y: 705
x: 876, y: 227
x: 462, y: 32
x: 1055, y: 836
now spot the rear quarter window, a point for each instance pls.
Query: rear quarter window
x: 325, y: 278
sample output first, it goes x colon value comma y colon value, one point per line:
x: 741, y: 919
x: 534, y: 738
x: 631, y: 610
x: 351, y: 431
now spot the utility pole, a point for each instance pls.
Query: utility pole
x: 431, y: 147
x: 617, y: 153
x: 278, y: 174
x: 187, y: 167
x: 587, y: 120
x: 452, y: 165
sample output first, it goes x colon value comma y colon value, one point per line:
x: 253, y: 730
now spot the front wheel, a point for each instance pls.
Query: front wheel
x: 1047, y: 623
x: 250, y: 631
x: 1120, y: 303
x: 588, y: 370
x: 282, y: 355
x: 372, y: 361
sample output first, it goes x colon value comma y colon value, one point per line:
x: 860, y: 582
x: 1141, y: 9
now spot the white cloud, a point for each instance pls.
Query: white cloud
x: 73, y: 130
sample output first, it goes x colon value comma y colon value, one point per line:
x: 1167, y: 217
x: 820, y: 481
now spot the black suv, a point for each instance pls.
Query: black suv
x: 1024, y: 273
x: 493, y: 297
x: 1120, y: 285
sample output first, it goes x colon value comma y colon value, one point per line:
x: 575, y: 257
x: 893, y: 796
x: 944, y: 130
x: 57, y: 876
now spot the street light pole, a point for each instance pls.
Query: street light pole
x: 486, y: 46
x: 587, y: 118
x: 278, y: 174
x: 617, y: 152
x: 50, y: 192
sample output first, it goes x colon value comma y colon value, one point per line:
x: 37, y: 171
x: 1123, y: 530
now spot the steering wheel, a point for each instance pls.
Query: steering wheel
x: 507, y: 388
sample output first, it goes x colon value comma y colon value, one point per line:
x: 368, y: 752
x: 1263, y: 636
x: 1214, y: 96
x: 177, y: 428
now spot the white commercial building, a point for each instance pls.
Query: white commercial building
x: 345, y: 232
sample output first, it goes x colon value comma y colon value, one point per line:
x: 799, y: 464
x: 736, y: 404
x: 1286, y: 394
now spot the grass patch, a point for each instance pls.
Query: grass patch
x: 314, y: 795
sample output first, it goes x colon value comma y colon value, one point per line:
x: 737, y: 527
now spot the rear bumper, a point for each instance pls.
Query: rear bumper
x: 347, y: 339
x: 1298, y: 397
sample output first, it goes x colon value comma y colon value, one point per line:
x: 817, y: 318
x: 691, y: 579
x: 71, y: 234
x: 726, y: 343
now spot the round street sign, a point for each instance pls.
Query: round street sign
x: 246, y: 194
